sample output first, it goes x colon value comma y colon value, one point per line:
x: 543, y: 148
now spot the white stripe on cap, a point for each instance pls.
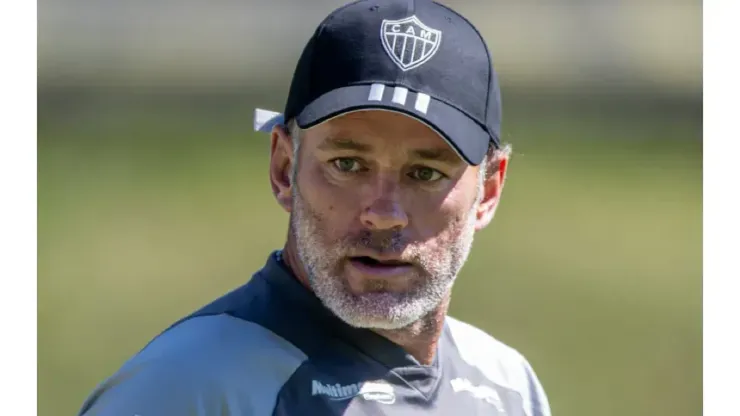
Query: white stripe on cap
x: 376, y: 92
x: 422, y: 103
x: 399, y: 95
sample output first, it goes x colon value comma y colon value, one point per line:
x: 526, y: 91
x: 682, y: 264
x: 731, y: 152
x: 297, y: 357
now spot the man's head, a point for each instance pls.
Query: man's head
x: 383, y: 212
x: 388, y: 157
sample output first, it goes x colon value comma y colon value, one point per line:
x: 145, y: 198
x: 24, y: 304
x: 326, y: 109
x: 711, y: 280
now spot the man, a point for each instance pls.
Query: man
x: 388, y: 158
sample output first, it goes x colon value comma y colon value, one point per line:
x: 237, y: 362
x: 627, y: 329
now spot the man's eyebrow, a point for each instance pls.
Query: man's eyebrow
x: 439, y: 155
x: 337, y: 143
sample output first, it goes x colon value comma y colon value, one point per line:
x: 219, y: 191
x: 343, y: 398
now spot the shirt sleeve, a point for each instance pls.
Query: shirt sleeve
x: 539, y: 403
x: 206, y: 366
x: 153, y: 390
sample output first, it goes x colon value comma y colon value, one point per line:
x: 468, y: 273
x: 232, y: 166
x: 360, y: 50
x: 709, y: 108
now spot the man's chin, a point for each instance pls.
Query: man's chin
x: 376, y: 322
x: 378, y: 310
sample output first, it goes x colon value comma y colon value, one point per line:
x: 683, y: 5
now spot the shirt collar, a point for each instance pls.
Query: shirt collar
x: 291, y: 294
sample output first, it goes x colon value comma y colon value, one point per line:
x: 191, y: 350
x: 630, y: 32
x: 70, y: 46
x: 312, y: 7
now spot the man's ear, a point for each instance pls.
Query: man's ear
x: 281, y: 163
x: 492, y: 188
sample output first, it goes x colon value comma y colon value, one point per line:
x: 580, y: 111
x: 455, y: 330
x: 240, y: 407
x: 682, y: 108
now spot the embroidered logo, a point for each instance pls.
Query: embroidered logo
x: 409, y: 42
x: 378, y: 391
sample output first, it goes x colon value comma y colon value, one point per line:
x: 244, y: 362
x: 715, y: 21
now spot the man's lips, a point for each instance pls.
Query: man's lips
x: 379, y: 261
x: 369, y: 265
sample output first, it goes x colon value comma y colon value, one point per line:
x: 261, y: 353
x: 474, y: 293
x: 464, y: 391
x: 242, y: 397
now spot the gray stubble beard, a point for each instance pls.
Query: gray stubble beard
x: 323, y: 265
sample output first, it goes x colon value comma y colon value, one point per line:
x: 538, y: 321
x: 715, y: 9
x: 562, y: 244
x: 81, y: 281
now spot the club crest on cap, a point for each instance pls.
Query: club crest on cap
x: 409, y: 42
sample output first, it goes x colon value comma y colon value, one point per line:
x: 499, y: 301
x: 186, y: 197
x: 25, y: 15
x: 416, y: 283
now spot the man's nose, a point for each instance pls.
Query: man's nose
x: 386, y: 211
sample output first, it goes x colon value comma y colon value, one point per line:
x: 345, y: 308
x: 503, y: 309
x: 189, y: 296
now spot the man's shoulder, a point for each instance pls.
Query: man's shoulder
x: 499, y: 363
x: 213, y: 359
x: 214, y: 343
x: 475, y: 341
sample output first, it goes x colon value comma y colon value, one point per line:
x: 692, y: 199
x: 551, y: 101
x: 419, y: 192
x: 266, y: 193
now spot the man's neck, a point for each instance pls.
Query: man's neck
x: 418, y: 339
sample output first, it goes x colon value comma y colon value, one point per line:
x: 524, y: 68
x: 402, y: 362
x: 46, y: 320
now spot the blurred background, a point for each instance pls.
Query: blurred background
x: 153, y: 196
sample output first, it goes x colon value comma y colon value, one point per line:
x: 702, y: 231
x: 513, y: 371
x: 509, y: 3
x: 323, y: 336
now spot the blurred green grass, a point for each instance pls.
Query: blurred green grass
x: 592, y: 267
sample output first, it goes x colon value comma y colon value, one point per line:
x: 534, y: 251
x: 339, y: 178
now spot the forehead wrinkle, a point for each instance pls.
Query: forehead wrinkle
x: 337, y: 142
x: 437, y: 154
x: 406, y: 155
x: 361, y: 136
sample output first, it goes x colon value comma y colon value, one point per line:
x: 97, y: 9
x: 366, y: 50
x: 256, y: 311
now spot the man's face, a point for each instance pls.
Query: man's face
x: 383, y: 213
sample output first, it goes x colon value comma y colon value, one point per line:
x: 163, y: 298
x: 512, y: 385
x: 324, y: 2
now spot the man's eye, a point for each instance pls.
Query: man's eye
x: 344, y: 164
x: 425, y: 174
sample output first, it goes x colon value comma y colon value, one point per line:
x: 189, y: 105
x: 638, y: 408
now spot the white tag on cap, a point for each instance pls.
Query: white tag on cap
x: 265, y: 120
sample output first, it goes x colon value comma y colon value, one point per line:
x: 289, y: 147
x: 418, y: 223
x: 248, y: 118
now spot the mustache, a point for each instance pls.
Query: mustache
x: 382, y: 242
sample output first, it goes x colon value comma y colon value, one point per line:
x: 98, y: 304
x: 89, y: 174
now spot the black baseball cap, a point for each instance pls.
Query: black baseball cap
x: 416, y: 57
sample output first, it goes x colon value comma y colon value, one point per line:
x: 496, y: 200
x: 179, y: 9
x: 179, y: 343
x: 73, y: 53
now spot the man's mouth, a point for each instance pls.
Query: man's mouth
x: 373, y: 262
x: 379, y: 268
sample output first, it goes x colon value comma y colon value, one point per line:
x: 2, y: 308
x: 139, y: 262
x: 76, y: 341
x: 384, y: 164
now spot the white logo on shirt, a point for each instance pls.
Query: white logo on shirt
x: 484, y: 393
x: 378, y: 391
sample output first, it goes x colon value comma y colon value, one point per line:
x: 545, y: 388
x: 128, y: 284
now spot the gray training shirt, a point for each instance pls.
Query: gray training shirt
x: 271, y: 348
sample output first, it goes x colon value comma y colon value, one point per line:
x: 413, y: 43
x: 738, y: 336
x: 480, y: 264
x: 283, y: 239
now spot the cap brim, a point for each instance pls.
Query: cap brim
x: 466, y: 136
x: 265, y: 120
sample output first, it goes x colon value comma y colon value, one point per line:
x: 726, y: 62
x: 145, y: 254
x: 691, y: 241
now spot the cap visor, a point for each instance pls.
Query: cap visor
x: 468, y: 138
x: 265, y: 120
